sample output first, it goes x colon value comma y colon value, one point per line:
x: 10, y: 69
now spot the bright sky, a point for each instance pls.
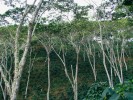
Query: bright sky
x: 87, y: 2
x: 4, y: 8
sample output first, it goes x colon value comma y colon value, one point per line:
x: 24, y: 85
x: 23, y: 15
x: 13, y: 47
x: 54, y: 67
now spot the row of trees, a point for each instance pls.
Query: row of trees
x: 107, y: 38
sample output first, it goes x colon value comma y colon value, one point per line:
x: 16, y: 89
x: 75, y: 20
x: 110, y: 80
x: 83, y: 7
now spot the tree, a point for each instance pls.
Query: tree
x: 46, y: 41
x: 13, y: 87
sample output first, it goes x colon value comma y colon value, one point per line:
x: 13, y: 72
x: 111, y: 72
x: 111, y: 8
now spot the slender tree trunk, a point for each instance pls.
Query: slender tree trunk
x: 74, y: 80
x: 76, y: 74
x: 48, y: 90
x: 20, y: 65
x: 19, y: 68
x: 15, y: 87
x: 46, y: 41
x: 104, y: 57
x: 104, y: 63
x: 92, y: 63
x: 29, y: 72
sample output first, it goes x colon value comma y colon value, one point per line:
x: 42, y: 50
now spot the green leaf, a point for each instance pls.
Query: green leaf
x: 114, y: 97
x: 128, y: 95
x: 107, y: 91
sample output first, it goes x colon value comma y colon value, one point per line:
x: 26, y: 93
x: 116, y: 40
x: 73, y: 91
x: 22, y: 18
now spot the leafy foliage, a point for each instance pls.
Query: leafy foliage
x: 120, y: 92
x: 60, y: 32
x: 95, y: 91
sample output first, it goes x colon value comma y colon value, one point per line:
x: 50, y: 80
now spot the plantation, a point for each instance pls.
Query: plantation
x: 81, y: 59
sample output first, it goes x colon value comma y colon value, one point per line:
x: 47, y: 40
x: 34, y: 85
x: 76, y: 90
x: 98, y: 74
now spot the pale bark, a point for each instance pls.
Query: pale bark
x: 29, y: 73
x: 74, y: 80
x: 6, y: 82
x: 104, y: 56
x: 48, y: 46
x: 48, y: 90
x: 63, y: 61
x: 2, y: 89
x: 90, y: 54
x: 12, y: 88
x: 76, y: 75
x: 116, y: 58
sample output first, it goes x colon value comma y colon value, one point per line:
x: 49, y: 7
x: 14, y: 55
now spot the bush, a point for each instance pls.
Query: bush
x: 95, y: 91
x: 119, y: 92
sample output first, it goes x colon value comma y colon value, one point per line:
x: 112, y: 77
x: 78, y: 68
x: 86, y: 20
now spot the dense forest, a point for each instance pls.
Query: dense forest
x: 56, y: 58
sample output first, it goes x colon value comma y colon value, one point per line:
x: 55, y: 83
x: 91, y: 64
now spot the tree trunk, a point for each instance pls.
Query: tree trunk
x: 48, y: 77
x: 19, y: 69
